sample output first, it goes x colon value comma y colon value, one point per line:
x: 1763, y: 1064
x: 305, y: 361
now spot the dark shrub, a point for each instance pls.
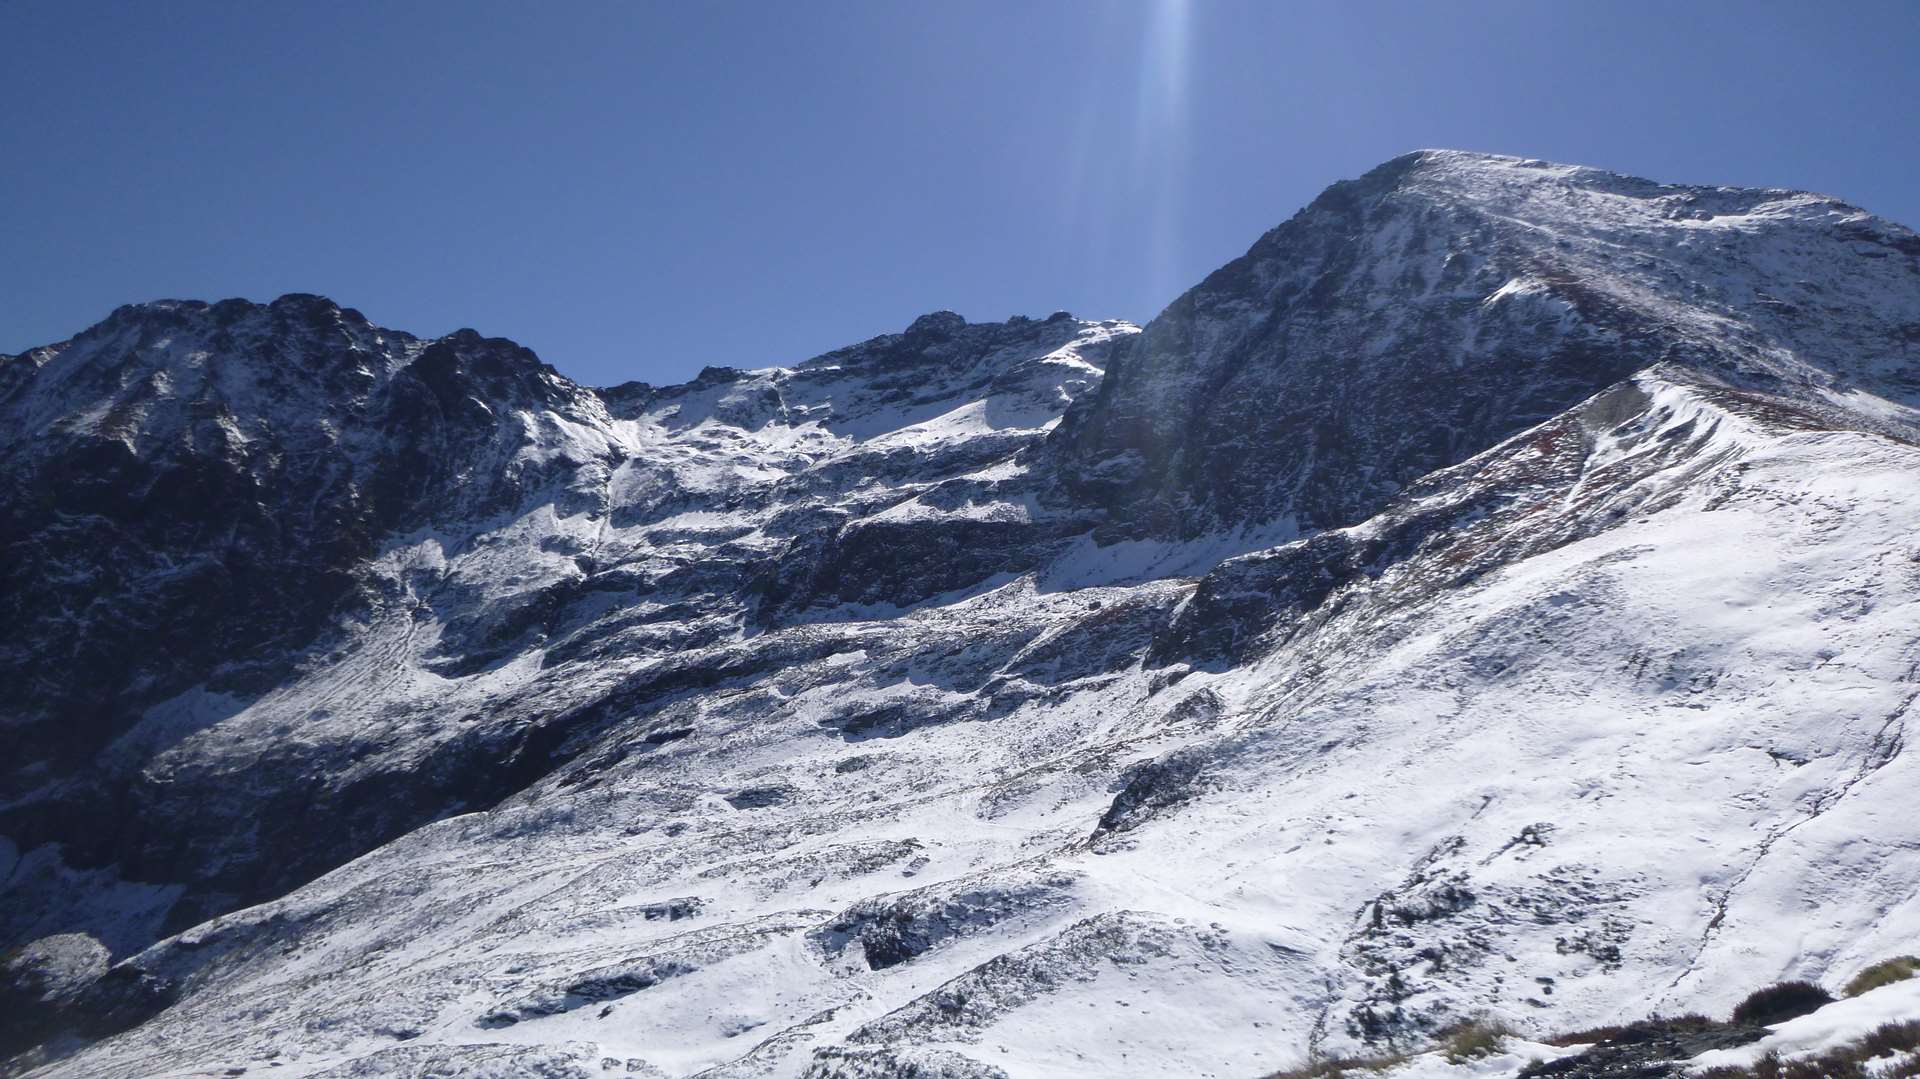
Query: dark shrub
x: 1890, y: 1039
x: 1780, y: 1002
x: 1645, y: 1030
x: 1344, y: 1067
x: 1589, y: 1036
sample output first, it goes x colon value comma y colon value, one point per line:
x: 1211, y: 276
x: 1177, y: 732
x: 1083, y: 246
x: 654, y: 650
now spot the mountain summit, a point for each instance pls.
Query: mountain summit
x: 1413, y: 317
x: 1492, y: 595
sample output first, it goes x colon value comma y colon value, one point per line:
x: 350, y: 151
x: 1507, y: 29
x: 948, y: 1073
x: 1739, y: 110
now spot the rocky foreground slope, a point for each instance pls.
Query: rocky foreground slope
x: 1496, y: 593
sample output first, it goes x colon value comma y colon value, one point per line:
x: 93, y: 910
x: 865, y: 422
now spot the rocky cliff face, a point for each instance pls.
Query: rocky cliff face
x: 1416, y: 316
x: 191, y: 490
x: 1494, y: 593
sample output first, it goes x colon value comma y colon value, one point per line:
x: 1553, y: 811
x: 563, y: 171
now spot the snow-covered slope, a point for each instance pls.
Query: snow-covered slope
x: 1498, y: 593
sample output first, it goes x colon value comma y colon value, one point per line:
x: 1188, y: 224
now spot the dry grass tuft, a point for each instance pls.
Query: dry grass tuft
x: 1885, y: 972
x: 1474, y: 1039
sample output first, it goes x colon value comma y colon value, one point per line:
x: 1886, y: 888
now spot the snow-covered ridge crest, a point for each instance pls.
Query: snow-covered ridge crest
x: 1494, y: 594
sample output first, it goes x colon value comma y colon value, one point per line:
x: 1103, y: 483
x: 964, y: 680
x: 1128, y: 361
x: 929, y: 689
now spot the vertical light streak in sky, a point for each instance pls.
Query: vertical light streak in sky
x: 1123, y: 193
x: 1161, y: 140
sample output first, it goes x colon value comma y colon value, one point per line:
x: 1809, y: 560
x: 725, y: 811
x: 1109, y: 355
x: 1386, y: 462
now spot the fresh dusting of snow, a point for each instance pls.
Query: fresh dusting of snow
x: 843, y: 718
x: 1553, y: 857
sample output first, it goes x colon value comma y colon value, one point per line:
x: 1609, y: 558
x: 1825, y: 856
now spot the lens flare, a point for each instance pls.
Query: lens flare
x: 1160, y: 138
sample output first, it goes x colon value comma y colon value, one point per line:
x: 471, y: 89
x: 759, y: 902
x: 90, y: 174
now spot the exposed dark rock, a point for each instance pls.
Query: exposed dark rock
x: 1152, y: 787
x: 891, y: 930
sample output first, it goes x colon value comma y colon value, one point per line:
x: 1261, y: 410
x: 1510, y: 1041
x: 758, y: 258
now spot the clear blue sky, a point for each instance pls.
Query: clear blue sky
x: 638, y: 189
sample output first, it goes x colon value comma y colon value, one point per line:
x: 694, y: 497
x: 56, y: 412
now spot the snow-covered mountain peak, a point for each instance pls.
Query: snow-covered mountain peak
x: 1493, y: 594
x: 1503, y: 181
x: 146, y: 372
x: 1420, y: 313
